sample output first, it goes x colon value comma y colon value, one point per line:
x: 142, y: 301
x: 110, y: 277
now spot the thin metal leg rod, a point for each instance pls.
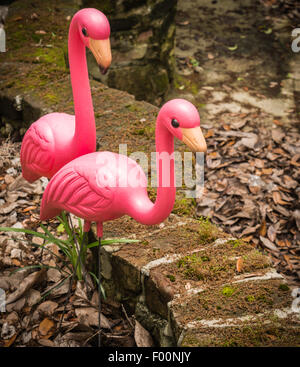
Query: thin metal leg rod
x: 99, y: 293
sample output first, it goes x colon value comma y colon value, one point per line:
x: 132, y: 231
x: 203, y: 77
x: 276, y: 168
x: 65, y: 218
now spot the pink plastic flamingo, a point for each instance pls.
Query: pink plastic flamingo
x: 103, y: 186
x: 57, y: 138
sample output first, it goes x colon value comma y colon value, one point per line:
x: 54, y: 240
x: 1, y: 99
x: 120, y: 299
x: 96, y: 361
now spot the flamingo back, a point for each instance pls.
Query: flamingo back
x: 47, y: 146
x: 37, y: 151
x: 93, y: 187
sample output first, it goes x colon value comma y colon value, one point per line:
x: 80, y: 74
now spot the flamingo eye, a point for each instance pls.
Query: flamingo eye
x: 84, y: 32
x: 175, y: 123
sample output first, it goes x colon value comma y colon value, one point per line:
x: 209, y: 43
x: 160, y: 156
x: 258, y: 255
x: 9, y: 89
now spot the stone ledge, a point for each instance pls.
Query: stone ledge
x: 251, y: 307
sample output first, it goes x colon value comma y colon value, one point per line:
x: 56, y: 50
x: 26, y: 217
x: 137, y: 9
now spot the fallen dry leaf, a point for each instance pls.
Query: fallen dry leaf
x: 8, y: 207
x: 267, y: 171
x: 277, y: 198
x: 89, y: 316
x: 9, y: 342
x: 142, y: 336
x: 239, y: 264
x: 209, y: 133
x: 46, y: 343
x: 263, y: 229
x: 278, y: 135
x: 26, y: 284
x: 29, y: 208
x: 272, y: 233
x: 47, y: 308
x: 270, y: 245
x: 290, y: 266
x: 46, y: 328
x: 16, y: 263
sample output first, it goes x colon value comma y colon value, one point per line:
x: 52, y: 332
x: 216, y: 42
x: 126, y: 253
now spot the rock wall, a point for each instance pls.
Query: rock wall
x: 142, y: 42
x: 142, y: 38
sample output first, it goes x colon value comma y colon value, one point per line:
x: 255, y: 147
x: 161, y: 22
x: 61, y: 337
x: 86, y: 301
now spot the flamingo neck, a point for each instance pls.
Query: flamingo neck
x: 85, y: 130
x: 145, y: 211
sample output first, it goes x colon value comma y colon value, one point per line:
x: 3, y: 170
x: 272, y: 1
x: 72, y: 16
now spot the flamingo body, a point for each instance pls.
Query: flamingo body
x: 57, y: 138
x: 102, y: 186
x: 91, y: 188
x: 47, y: 146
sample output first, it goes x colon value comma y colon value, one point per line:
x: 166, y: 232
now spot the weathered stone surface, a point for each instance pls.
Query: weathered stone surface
x: 142, y: 39
x: 158, y: 292
x: 257, y: 65
x: 193, y: 293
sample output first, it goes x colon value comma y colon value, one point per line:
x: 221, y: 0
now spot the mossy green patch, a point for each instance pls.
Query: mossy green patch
x: 171, y: 277
x: 219, y: 263
x: 236, y: 243
x: 228, y: 291
x: 133, y: 107
x: 258, y: 335
x: 185, y: 83
x: 161, y: 81
x: 51, y: 56
x: 51, y: 97
x: 184, y: 206
x: 234, y: 300
x: 284, y: 287
x: 250, y: 298
x: 208, y: 232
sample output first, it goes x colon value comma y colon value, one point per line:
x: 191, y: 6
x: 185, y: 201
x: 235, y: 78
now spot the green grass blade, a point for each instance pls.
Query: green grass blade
x: 109, y: 242
x: 60, y: 243
x: 61, y: 283
x: 97, y: 282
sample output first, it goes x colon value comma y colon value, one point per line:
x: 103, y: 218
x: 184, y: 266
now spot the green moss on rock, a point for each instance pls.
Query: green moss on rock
x: 228, y: 291
x: 53, y: 56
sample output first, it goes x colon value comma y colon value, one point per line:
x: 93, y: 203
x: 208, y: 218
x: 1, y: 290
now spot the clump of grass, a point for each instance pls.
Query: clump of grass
x: 74, y: 248
x: 183, y: 207
x: 208, y: 232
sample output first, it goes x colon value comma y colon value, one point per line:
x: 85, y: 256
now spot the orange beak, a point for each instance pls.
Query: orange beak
x: 102, y: 53
x: 194, y: 139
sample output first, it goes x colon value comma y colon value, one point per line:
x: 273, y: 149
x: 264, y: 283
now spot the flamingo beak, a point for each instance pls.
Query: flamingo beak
x: 102, y: 53
x: 194, y: 139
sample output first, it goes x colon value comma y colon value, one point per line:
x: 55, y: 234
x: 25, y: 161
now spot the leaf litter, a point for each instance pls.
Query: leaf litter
x: 251, y: 191
x: 35, y: 296
x: 252, y: 186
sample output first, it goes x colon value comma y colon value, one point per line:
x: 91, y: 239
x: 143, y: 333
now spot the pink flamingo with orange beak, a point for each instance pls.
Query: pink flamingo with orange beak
x: 104, y: 186
x: 57, y: 138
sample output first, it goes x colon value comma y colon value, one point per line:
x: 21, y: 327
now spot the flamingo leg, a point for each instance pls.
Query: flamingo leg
x: 99, y: 293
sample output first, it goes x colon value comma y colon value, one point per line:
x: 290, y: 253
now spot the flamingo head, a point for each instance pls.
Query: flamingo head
x: 94, y: 31
x: 182, y: 120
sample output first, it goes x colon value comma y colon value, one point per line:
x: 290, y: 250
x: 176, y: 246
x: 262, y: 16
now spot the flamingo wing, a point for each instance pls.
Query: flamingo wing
x: 74, y: 190
x: 38, y: 151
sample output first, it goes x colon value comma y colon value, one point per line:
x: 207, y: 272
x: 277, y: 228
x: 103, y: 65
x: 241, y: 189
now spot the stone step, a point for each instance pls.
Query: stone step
x: 223, y: 292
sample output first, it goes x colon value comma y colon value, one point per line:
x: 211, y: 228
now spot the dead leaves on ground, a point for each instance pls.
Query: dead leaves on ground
x: 252, y: 185
x: 142, y: 336
x: 32, y: 321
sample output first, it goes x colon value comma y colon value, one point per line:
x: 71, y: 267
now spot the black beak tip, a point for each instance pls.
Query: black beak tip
x: 103, y: 70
